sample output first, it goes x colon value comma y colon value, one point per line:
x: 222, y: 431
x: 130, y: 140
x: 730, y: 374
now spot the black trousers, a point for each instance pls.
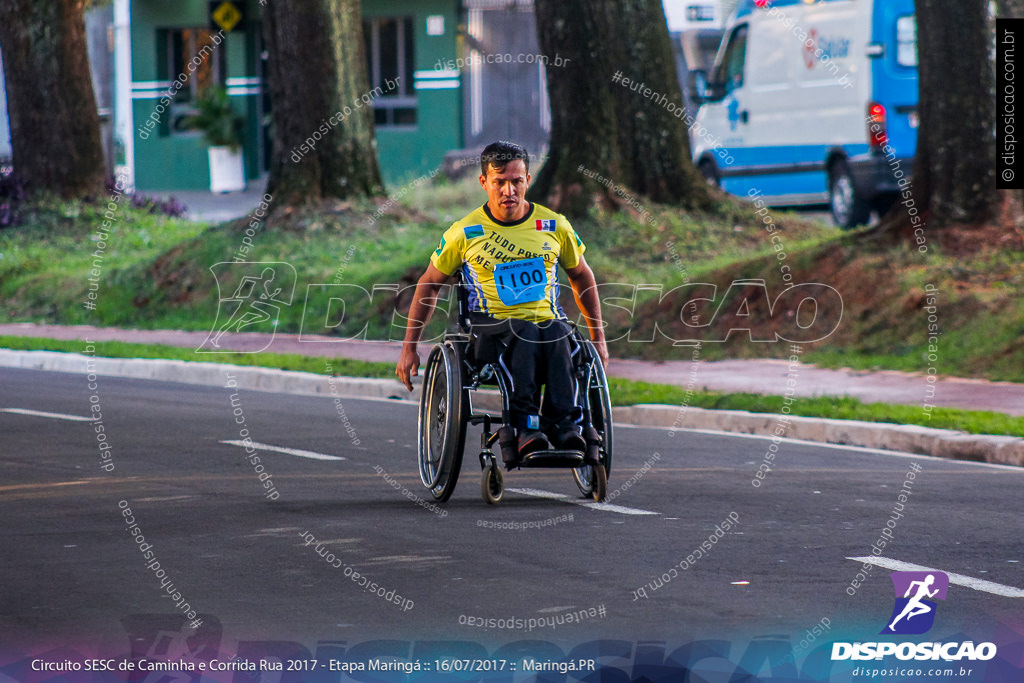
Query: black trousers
x: 532, y: 355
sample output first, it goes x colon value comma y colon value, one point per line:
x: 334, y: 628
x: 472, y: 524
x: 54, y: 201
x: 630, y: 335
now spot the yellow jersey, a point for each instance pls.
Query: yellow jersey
x: 510, y: 269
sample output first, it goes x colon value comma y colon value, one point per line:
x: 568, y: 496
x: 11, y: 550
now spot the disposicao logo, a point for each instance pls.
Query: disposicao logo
x: 913, y: 614
x: 916, y: 593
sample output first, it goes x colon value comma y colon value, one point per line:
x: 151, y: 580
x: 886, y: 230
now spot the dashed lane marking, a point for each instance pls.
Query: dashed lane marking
x: 605, y: 507
x: 40, y: 413
x: 281, y: 449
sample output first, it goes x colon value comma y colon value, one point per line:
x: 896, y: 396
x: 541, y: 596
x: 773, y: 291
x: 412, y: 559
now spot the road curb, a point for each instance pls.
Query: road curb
x: 942, y: 443
x: 209, y: 374
x: 1003, y: 450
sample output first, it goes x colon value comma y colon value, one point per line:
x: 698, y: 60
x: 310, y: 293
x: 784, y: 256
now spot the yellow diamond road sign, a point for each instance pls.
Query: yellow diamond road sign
x: 227, y: 16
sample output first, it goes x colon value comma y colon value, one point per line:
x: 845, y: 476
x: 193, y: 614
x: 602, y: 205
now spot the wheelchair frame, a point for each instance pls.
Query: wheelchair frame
x: 446, y: 409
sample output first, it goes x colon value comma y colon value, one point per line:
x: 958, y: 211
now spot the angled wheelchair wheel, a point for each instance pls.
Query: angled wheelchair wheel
x: 442, y: 427
x: 590, y: 483
x: 492, y: 483
x: 600, y: 483
x: 584, y: 476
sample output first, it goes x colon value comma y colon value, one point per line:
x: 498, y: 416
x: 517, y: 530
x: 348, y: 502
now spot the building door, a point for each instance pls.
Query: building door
x: 504, y: 76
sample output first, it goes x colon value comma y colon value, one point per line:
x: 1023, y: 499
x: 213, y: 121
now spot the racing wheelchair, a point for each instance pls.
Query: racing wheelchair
x: 451, y: 379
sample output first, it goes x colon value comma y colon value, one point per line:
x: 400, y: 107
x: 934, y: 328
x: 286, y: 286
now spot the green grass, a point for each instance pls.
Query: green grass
x: 46, y: 261
x: 156, y: 271
x: 156, y: 274
x: 623, y: 392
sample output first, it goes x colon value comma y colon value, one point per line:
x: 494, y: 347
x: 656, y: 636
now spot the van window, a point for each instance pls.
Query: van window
x: 729, y: 74
x: 906, y: 41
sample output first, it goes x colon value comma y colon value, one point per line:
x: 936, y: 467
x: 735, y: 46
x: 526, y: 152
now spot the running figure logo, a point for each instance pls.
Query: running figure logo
x: 916, y: 592
x: 257, y: 292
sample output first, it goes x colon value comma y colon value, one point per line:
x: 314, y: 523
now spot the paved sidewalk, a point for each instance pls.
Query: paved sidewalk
x: 216, y: 208
x: 760, y: 376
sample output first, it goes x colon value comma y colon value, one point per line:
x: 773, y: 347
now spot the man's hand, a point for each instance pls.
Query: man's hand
x: 408, y: 365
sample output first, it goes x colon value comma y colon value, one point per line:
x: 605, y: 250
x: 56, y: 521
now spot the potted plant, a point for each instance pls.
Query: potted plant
x: 222, y: 129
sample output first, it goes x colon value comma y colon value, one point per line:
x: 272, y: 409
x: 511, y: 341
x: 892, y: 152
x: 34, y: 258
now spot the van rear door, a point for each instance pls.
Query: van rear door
x: 894, y: 72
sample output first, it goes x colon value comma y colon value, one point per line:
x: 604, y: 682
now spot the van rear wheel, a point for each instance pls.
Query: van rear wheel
x: 848, y: 207
x: 709, y: 172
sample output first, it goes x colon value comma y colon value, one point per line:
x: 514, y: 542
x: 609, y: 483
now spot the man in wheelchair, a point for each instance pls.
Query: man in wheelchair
x: 507, y: 253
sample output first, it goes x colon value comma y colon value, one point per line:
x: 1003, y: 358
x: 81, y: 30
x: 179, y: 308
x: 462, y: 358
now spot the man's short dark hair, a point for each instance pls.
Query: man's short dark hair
x: 498, y: 154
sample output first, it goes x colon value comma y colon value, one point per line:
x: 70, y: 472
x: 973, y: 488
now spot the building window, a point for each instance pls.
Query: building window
x: 390, y: 60
x: 190, y: 57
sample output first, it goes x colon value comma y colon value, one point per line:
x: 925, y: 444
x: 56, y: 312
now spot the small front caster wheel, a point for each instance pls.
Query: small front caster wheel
x: 492, y: 483
x: 600, y: 483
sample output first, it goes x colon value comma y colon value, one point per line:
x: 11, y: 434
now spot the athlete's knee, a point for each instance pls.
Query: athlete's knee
x: 524, y: 330
x: 556, y: 331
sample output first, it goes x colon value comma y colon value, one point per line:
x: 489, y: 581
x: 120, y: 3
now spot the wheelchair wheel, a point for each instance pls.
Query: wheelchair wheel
x: 600, y: 483
x: 442, y: 429
x: 492, y: 483
x: 585, y: 477
x: 601, y: 418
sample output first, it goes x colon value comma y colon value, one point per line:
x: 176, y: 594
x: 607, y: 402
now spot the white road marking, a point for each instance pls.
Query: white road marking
x: 540, y: 494
x: 40, y: 413
x: 606, y: 507
x: 958, y: 579
x: 281, y: 449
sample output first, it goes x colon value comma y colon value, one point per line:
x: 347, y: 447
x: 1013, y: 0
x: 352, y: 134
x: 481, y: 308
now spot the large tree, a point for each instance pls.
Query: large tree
x: 55, y: 130
x: 323, y: 140
x: 954, y: 169
x: 633, y: 135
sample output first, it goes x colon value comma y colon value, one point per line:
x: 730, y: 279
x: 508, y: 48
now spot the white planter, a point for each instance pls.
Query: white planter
x: 227, y: 170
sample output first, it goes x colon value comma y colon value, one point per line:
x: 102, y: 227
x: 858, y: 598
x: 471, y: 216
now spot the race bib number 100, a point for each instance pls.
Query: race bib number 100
x: 521, y: 282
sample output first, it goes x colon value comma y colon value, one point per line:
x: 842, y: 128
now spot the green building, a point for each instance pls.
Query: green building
x: 166, y: 55
x: 417, y: 126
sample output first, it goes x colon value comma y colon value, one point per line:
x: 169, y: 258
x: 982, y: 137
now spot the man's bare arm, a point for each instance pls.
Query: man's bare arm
x: 584, y: 288
x: 420, y: 310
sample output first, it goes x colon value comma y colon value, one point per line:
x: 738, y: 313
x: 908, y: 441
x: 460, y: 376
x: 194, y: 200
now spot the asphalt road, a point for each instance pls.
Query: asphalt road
x: 73, y: 576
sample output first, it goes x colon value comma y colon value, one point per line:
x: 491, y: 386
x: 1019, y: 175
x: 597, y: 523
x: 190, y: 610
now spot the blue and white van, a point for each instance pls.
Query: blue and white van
x: 812, y: 101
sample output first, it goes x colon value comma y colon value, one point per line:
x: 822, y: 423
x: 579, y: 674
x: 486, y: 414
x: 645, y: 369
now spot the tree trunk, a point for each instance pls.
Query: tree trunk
x: 954, y: 169
x: 631, y: 135
x: 55, y: 130
x: 323, y: 140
